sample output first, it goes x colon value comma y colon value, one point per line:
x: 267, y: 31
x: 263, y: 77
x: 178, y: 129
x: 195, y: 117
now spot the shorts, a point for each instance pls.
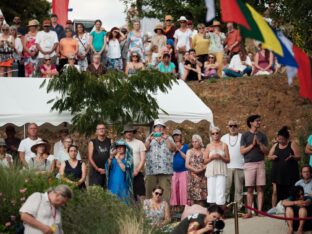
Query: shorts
x: 254, y: 174
x: 139, y: 185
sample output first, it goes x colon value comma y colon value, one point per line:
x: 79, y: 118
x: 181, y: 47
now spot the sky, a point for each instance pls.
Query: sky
x: 109, y: 11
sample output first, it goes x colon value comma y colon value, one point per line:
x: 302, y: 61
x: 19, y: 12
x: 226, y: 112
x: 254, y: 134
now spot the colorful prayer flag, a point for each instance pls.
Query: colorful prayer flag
x: 231, y: 12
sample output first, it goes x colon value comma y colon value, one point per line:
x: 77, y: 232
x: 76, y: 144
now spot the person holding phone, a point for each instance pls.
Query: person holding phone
x: 159, y: 157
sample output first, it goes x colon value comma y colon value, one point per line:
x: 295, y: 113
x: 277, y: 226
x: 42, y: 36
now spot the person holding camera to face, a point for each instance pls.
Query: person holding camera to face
x: 210, y: 222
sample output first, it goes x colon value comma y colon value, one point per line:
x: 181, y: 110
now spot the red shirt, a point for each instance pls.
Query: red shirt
x: 231, y: 38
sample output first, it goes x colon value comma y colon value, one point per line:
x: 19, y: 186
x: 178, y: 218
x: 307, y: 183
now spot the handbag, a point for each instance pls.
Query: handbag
x: 88, y: 55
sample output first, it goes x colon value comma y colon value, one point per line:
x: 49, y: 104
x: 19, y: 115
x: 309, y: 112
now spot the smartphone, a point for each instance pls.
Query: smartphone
x: 157, y: 134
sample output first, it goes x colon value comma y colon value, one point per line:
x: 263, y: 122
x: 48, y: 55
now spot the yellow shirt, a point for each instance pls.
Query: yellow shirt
x: 200, y: 44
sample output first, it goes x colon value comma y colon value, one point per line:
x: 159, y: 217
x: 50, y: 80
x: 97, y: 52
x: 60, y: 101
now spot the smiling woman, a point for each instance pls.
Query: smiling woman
x: 111, y: 12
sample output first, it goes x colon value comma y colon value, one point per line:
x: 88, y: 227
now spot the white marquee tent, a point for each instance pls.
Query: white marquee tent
x: 22, y: 101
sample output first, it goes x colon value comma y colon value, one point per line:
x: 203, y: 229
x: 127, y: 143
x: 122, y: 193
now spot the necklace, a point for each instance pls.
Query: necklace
x: 232, y: 145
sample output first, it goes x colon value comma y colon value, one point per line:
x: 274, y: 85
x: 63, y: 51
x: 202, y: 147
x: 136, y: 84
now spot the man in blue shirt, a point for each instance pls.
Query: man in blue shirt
x: 57, y: 27
x: 306, y: 181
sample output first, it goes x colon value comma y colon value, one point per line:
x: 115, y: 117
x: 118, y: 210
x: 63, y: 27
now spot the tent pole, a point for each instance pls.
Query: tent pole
x: 24, y: 131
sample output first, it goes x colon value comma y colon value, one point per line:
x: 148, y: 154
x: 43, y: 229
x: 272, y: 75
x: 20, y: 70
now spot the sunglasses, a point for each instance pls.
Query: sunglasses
x: 214, y: 133
x: 169, y: 20
x: 5, y: 30
x: 233, y: 126
x: 158, y: 194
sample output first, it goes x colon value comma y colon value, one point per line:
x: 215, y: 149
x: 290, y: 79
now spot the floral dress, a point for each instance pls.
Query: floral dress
x: 83, y: 43
x: 30, y: 63
x: 154, y: 217
x: 197, y: 183
x: 6, y: 51
x: 136, y: 45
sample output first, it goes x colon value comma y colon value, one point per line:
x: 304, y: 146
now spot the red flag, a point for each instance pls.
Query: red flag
x: 304, y: 73
x: 231, y: 12
x: 60, y: 8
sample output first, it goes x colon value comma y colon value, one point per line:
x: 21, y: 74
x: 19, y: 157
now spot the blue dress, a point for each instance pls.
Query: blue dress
x: 117, y: 183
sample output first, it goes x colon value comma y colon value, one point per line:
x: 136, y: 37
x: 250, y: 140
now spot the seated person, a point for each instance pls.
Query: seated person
x: 199, y: 223
x: 71, y: 63
x: 96, y: 67
x: 306, y: 181
x: 263, y: 62
x: 298, y: 205
x: 166, y: 65
x: 134, y: 65
x: 240, y: 65
x: 156, y: 210
x: 47, y: 69
x: 211, y: 67
x: 192, y: 68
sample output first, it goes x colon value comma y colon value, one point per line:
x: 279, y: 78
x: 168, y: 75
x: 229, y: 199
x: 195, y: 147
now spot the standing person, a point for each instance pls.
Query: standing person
x: 235, y: 166
x: 136, y: 41
x: 179, y: 178
x: 24, y: 149
x: 254, y: 146
x: 40, y: 163
x: 124, y: 47
x: 232, y: 41
x: 12, y: 142
x: 139, y: 156
x: 6, y: 160
x: 159, y: 156
x: 59, y: 145
x: 197, y: 182
x: 68, y: 47
x: 119, y: 171
x: 159, y: 39
x: 7, y: 47
x: 41, y: 213
x: 201, y: 44
x: 217, y: 157
x: 1, y: 21
x: 98, y: 154
x: 74, y: 171
x: 114, y: 60
x: 285, y: 170
x: 46, y: 42
x: 17, y: 22
x: 17, y: 55
x: 182, y: 39
x: 216, y: 44
x: 98, y: 40
x: 30, y: 49
x: 308, y: 149
x: 190, y: 26
x: 57, y: 27
x: 169, y: 28
x: 83, y: 39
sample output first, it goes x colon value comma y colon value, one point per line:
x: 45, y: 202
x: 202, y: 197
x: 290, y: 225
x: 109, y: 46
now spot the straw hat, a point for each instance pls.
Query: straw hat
x: 40, y: 142
x: 33, y: 23
x: 159, y: 27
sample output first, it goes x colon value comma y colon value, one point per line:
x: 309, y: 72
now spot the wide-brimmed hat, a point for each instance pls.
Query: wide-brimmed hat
x: 46, y: 23
x: 159, y: 27
x: 182, y: 18
x: 216, y: 23
x: 2, y: 142
x: 168, y: 17
x: 176, y: 132
x: 40, y: 142
x: 129, y: 128
x: 33, y: 23
x: 159, y: 122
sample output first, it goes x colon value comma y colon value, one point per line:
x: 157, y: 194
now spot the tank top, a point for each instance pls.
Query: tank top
x: 101, y: 150
x: 73, y: 173
x: 216, y: 167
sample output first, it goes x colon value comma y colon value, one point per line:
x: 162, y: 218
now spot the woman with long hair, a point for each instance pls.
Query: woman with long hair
x: 263, y: 61
x: 134, y: 65
x: 83, y: 39
x: 211, y: 67
x: 7, y: 47
x: 114, y: 60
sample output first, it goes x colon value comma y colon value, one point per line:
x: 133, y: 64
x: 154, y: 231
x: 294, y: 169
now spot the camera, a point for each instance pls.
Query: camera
x: 218, y: 226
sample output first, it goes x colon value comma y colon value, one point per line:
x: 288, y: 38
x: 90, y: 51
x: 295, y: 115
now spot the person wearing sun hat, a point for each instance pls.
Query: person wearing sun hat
x: 6, y: 160
x: 159, y: 156
x: 169, y: 28
x: 139, y: 155
x: 159, y: 39
x: 119, y: 171
x: 40, y: 163
x: 182, y: 39
x: 216, y: 47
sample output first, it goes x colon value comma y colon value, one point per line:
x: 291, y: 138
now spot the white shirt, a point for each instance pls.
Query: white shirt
x: 18, y: 45
x: 137, y: 147
x: 25, y: 146
x: 62, y: 155
x: 46, y: 40
x: 183, y: 38
x: 113, y: 50
x: 236, y: 158
x: 236, y: 63
x: 39, y: 206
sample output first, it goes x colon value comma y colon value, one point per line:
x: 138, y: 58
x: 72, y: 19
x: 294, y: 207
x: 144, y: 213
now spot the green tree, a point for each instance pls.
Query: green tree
x: 110, y: 98
x: 27, y: 10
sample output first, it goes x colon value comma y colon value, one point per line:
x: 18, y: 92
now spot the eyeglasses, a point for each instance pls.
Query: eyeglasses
x: 233, y: 125
x: 158, y: 194
x: 168, y: 20
x: 215, y: 133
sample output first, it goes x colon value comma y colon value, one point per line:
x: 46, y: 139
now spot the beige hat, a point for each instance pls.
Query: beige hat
x: 159, y: 122
x: 159, y: 27
x: 182, y: 18
x: 216, y: 23
x: 33, y: 23
x: 40, y: 142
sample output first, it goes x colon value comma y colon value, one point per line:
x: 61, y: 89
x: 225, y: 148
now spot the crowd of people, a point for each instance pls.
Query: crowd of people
x: 167, y: 175
x: 46, y: 49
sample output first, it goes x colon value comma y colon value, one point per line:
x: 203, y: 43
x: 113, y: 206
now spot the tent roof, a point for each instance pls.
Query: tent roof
x: 23, y: 102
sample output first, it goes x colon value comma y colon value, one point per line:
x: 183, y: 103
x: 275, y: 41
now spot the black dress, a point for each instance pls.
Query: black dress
x: 284, y: 173
x: 75, y: 173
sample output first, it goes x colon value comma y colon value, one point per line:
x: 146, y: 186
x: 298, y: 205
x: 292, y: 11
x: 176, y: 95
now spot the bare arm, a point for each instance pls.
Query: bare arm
x: 295, y: 148
x: 84, y: 173
x: 62, y: 169
x: 308, y: 149
x: 142, y: 162
x: 22, y: 159
x: 167, y: 217
x: 271, y: 155
x: 226, y: 159
x: 207, y: 159
x: 172, y: 147
x: 29, y: 219
x: 187, y: 162
x: 91, y: 44
x: 90, y: 156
